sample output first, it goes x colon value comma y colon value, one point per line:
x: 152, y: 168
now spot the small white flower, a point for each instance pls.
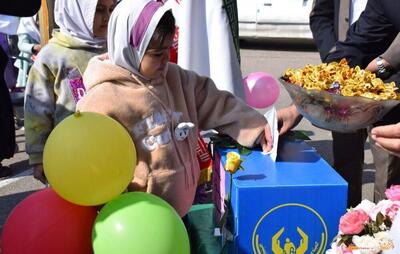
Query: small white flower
x: 330, y: 251
x: 366, y: 251
x: 382, y: 235
x: 335, y: 249
x: 383, y: 227
x: 366, y: 206
x: 385, y: 242
x: 366, y: 242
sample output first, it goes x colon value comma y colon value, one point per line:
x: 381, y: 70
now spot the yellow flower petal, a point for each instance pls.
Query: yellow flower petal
x: 230, y: 167
x: 232, y: 155
x: 232, y: 162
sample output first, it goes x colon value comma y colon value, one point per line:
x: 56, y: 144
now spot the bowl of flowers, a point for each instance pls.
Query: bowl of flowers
x: 337, y: 97
x: 367, y: 228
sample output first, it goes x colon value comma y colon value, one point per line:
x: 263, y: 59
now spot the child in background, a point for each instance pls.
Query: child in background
x: 29, y: 45
x: 52, y: 91
x: 161, y: 105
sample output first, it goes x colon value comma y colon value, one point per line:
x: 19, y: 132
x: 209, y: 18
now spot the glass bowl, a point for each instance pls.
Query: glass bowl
x: 336, y: 112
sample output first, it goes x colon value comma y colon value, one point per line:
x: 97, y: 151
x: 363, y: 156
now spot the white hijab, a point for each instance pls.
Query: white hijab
x: 8, y: 24
x: 130, y: 29
x: 75, y: 18
x: 28, y: 26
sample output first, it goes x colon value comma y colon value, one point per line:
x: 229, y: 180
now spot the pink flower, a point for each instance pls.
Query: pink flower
x: 379, y: 208
x: 392, y: 210
x: 353, y: 222
x: 386, y: 207
x: 393, y: 193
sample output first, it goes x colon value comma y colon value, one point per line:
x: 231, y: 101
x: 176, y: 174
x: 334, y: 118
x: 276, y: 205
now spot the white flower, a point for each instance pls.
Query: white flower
x: 382, y: 235
x: 330, y: 251
x: 384, y: 240
x: 335, y: 249
x: 383, y: 227
x: 366, y: 242
x: 366, y: 251
x: 366, y: 206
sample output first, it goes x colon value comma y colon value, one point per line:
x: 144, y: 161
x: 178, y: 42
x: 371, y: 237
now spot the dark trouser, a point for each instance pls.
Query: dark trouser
x: 348, y: 160
x: 7, y: 129
x: 348, y: 156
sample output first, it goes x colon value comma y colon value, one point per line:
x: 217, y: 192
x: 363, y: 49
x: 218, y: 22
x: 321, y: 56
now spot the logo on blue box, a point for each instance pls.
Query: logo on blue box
x: 290, y: 229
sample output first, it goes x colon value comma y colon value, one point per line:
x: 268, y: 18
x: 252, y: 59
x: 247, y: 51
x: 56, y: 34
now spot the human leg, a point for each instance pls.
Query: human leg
x: 7, y: 130
x: 348, y: 156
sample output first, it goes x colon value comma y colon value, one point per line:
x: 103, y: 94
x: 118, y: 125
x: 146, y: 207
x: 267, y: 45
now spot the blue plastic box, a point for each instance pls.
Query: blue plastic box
x: 289, y: 206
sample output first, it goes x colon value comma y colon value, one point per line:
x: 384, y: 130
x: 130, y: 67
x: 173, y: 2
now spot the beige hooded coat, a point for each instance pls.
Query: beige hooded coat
x: 151, y: 111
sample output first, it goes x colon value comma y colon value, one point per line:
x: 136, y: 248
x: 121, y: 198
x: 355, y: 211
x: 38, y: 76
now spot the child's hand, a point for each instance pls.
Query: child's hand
x: 266, y: 142
x: 38, y: 173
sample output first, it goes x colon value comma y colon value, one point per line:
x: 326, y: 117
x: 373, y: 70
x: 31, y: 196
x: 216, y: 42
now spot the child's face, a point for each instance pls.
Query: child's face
x: 101, y: 17
x: 154, y: 62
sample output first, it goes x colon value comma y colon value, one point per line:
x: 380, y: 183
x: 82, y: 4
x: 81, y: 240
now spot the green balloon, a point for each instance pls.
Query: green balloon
x: 138, y: 222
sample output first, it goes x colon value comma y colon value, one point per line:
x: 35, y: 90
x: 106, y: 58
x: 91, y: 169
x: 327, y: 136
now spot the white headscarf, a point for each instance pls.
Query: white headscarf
x: 8, y: 24
x: 75, y: 18
x: 130, y: 29
x: 28, y: 26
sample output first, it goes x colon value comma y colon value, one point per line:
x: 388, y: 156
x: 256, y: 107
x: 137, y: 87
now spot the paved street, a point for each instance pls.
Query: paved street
x: 272, y: 57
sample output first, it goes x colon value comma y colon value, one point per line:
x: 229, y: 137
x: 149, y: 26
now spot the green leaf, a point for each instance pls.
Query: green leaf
x: 224, y: 249
x: 227, y: 200
x: 387, y: 221
x: 221, y: 140
x: 367, y: 229
x: 373, y: 228
x: 379, y: 219
x: 243, y: 150
x: 297, y: 135
x: 226, y: 141
x: 345, y: 239
x: 223, y: 220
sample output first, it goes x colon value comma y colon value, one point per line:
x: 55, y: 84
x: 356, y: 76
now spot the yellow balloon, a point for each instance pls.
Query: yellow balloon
x: 89, y: 158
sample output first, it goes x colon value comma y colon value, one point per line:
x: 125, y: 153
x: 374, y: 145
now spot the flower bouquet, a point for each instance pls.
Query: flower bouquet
x: 365, y: 229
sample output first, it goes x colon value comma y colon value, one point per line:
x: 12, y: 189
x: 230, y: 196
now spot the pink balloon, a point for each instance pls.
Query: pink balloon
x: 261, y: 89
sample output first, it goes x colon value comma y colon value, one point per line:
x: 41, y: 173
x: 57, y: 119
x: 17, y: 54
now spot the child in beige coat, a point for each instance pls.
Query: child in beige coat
x: 162, y: 105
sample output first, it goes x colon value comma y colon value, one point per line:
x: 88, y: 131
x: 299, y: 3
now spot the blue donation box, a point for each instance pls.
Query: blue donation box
x: 291, y: 206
